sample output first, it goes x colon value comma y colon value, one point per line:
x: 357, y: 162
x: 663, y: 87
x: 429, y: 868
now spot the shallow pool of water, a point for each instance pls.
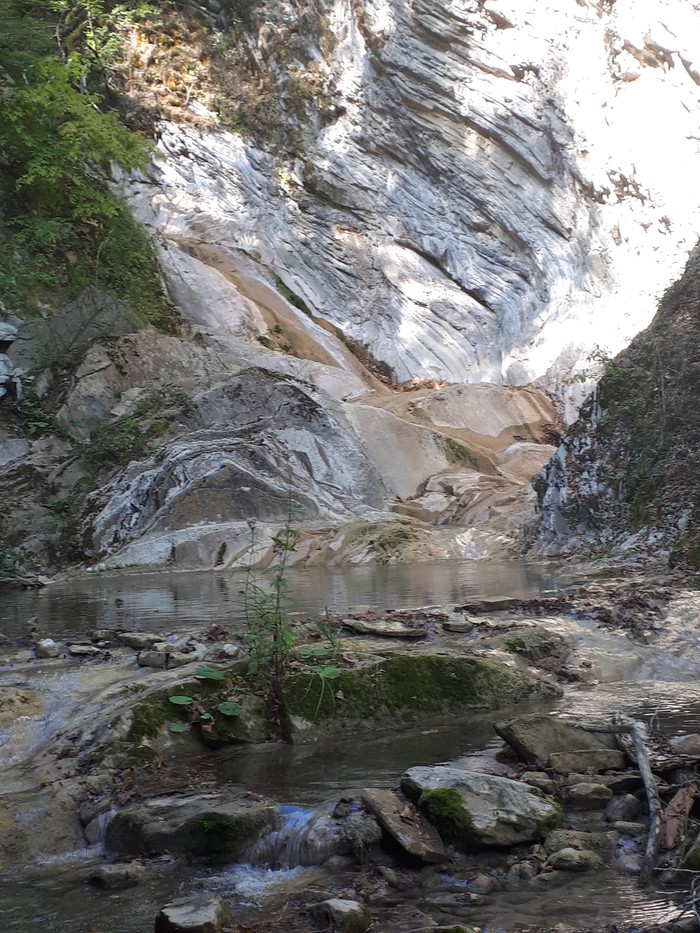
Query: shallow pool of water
x: 178, y: 600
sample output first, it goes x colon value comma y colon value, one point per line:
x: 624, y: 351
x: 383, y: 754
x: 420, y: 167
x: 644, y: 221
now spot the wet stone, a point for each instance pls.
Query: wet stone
x: 603, y: 759
x: 623, y: 808
x: 345, y: 916
x: 47, y: 648
x: 588, y: 796
x: 575, y: 860
x: 405, y: 824
x: 83, y: 651
x: 625, y: 828
x: 157, y: 659
x: 571, y: 839
x: 540, y: 780
x: 204, y: 912
x: 139, y: 640
x: 117, y: 875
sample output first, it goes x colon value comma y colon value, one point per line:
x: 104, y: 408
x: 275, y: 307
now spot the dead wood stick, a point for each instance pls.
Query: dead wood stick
x: 637, y: 732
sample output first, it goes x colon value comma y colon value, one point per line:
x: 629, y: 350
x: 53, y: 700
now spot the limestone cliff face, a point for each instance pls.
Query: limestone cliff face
x: 496, y: 186
x: 625, y: 478
x: 472, y: 193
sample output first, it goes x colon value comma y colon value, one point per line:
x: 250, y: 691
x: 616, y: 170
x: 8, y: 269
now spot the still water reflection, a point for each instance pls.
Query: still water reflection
x: 176, y: 600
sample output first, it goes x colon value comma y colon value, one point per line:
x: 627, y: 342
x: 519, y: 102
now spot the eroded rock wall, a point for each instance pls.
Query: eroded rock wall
x: 500, y: 185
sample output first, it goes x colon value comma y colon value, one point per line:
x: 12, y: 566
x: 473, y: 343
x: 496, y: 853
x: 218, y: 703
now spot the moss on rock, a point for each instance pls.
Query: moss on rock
x: 407, y: 686
x: 445, y: 809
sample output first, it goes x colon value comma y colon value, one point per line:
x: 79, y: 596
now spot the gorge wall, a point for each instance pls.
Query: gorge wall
x: 625, y: 479
x: 400, y: 239
x: 475, y: 191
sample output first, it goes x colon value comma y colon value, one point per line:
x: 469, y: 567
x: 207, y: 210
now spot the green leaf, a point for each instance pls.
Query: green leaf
x: 206, y: 717
x: 179, y: 700
x: 178, y: 727
x: 329, y: 672
x: 313, y: 652
x: 229, y: 708
x: 206, y: 673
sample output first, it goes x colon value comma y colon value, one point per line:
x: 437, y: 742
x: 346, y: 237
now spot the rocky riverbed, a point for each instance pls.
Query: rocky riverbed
x: 174, y: 801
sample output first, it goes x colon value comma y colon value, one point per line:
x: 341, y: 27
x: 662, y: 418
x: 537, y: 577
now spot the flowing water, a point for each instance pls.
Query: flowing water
x: 659, y: 684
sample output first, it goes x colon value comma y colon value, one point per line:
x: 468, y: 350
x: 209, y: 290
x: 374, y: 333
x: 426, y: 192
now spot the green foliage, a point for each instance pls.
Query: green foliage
x: 269, y: 639
x: 181, y: 700
x: 113, y: 444
x: 229, y: 708
x: 207, y: 673
x: 63, y: 227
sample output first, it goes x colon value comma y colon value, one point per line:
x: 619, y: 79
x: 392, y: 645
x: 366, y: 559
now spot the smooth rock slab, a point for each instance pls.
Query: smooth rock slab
x: 204, y: 912
x: 139, y: 640
x: 589, y: 796
x: 572, y: 839
x: 602, y: 759
x: 412, y: 831
x: 502, y: 812
x: 534, y: 737
x: 207, y: 826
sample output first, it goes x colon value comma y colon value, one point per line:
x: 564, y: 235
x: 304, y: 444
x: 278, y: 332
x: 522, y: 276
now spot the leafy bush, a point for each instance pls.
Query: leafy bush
x: 63, y: 228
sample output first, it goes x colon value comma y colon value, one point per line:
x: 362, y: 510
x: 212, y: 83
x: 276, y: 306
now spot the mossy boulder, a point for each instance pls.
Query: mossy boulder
x: 206, y: 826
x: 471, y: 809
x: 404, y: 687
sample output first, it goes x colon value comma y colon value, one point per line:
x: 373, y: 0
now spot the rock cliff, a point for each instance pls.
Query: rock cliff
x: 474, y: 191
x: 625, y: 479
x: 402, y: 234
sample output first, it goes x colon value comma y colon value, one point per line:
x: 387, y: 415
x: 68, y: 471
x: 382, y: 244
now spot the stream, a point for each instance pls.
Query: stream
x: 659, y: 683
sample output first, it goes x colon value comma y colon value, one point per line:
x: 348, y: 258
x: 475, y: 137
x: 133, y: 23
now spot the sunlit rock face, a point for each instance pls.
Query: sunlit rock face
x: 505, y: 185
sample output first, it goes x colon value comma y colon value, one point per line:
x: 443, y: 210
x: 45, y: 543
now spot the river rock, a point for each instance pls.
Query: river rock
x: 83, y: 651
x: 497, y: 811
x: 344, y: 916
x: 139, y: 640
x: 686, y: 745
x: 572, y: 839
x: 623, y: 783
x: 600, y: 759
x: 204, y: 912
x: 152, y: 657
x: 209, y: 826
x: 624, y: 808
x: 405, y: 824
x: 117, y: 875
x: 575, y: 860
x: 542, y: 648
x: 385, y: 628
x: 542, y: 781
x: 588, y: 796
x: 535, y: 736
x: 47, y: 648
x: 631, y: 829
x: 196, y: 652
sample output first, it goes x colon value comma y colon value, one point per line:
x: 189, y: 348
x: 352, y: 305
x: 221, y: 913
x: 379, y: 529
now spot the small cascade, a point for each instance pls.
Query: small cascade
x: 300, y: 838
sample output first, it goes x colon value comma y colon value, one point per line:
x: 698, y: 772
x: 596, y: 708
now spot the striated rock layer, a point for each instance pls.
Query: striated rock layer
x: 500, y: 186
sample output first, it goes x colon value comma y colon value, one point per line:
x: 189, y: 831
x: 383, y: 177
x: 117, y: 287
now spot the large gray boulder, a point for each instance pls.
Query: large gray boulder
x: 470, y: 808
x: 534, y: 737
x: 208, y: 826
